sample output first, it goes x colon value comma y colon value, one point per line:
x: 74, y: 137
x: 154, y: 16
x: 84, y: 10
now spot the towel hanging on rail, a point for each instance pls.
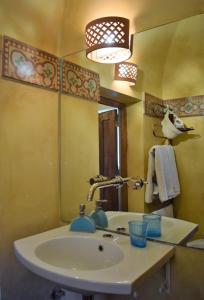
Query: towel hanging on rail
x: 162, y: 174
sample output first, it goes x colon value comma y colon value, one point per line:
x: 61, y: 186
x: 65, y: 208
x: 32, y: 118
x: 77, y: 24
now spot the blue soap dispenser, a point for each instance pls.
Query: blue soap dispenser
x: 83, y: 223
x: 99, y: 215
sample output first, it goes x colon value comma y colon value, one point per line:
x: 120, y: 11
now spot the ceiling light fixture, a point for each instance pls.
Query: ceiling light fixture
x: 108, y: 41
x: 126, y: 71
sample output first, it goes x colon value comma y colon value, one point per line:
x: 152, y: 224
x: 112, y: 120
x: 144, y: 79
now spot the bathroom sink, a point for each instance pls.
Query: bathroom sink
x: 79, y: 253
x: 174, y: 230
x: 90, y: 262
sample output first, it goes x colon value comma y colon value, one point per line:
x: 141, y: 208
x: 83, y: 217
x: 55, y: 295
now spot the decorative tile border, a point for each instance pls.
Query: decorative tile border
x: 187, y: 107
x: 80, y: 82
x: 153, y: 106
x: 183, y: 107
x: 28, y: 64
x: 25, y: 63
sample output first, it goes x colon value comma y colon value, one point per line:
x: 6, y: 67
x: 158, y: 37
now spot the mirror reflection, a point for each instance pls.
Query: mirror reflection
x: 114, y: 137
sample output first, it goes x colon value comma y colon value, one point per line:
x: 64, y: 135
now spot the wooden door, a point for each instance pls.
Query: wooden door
x: 108, y: 155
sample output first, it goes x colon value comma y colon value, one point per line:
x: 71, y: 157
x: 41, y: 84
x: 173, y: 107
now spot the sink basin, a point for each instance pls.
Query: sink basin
x: 79, y: 253
x: 121, y: 219
x: 173, y: 230
x: 90, y: 262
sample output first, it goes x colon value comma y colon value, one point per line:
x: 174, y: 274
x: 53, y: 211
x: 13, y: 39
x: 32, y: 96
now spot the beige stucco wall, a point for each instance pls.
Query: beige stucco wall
x: 29, y: 138
x: 184, y: 64
x: 135, y: 153
x: 29, y: 201
x: 34, y: 22
x: 28, y: 176
x: 183, y: 76
x: 170, y: 60
x: 79, y: 153
x: 178, y: 50
x: 189, y: 151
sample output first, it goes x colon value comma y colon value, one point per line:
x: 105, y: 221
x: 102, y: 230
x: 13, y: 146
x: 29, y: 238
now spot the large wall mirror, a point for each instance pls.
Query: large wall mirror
x: 171, y: 66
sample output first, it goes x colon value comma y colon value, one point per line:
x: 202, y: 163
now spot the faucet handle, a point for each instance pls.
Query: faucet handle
x: 136, y: 184
x: 97, y: 178
x: 82, y: 209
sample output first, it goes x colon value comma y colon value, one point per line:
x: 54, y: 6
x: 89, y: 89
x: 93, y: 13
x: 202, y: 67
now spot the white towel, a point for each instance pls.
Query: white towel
x: 162, y: 164
x: 151, y: 187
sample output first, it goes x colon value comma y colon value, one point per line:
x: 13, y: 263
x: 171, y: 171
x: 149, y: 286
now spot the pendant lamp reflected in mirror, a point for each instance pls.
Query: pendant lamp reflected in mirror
x: 126, y: 71
x: 108, y: 40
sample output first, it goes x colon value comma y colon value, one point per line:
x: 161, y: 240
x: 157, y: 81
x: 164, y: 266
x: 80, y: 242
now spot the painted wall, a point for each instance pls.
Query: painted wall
x: 179, y: 48
x: 184, y: 64
x: 29, y: 132
x: 79, y: 153
x: 166, y: 56
x: 189, y: 154
x: 28, y: 178
x: 135, y: 153
x: 29, y: 201
x: 186, y: 53
x: 140, y: 140
x: 34, y: 22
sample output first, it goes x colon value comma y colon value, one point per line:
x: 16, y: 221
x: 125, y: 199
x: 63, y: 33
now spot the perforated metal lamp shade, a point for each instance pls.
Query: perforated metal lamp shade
x: 108, y: 41
x: 126, y: 71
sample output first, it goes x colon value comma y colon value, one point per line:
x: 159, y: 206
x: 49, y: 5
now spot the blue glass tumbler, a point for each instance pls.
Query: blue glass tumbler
x: 138, y: 232
x: 153, y: 222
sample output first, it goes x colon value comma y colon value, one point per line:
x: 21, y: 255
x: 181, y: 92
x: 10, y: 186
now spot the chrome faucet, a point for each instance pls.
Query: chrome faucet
x: 117, y: 181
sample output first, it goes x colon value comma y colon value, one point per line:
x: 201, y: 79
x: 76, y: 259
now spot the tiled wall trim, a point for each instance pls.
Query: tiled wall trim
x: 183, y: 107
x: 153, y: 106
x: 25, y: 63
x: 188, y: 106
x: 80, y: 82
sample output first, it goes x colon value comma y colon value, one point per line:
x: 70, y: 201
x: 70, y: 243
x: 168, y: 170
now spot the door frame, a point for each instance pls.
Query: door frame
x: 123, y: 145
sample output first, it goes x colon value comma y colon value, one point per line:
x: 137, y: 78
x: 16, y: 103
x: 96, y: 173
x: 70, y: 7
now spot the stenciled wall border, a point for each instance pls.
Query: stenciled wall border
x: 183, y: 107
x: 153, y: 106
x: 26, y: 64
x: 80, y: 82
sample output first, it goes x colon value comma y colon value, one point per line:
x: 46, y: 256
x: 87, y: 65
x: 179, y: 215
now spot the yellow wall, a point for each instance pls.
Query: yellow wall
x: 29, y: 130
x: 29, y: 201
x: 34, y: 22
x: 170, y: 60
x: 184, y: 65
x: 135, y: 153
x: 140, y: 140
x: 178, y: 52
x: 189, y: 154
x: 79, y: 153
x: 183, y: 76
x: 28, y: 174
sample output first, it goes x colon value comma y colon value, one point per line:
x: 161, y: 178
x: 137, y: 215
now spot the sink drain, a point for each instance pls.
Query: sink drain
x: 100, y: 248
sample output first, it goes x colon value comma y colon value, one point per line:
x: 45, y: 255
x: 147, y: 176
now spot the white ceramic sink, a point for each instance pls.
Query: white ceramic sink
x: 90, y: 262
x: 79, y: 253
x: 173, y: 230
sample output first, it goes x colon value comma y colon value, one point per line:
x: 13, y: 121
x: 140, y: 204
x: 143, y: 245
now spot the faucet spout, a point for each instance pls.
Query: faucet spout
x: 116, y: 181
